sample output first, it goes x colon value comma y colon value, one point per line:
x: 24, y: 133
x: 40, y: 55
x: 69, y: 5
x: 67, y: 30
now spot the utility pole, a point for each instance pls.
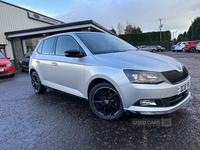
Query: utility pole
x: 192, y: 30
x: 173, y: 36
x: 160, y: 26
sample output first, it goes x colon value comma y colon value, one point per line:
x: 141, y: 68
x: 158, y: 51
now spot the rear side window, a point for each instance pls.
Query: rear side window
x: 65, y: 43
x: 47, y: 48
x: 39, y: 49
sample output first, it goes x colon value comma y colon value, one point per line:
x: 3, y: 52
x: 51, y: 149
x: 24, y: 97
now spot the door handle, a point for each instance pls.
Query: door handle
x: 54, y: 64
x: 37, y: 61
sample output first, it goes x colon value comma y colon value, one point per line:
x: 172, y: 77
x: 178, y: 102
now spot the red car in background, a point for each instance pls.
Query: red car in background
x: 191, y: 46
x: 6, y: 67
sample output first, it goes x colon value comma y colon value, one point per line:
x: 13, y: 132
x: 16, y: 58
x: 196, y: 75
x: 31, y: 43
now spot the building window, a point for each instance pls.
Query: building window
x: 30, y: 44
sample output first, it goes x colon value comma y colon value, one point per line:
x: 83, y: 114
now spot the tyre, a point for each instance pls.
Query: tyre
x: 192, y: 49
x: 173, y: 50
x: 183, y: 50
x: 21, y: 68
x: 36, y: 83
x: 105, y: 101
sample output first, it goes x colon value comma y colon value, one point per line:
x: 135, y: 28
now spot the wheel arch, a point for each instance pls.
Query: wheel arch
x: 95, y: 82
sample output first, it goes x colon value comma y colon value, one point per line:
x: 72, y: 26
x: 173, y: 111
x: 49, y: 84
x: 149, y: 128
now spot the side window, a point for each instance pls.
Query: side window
x: 65, y: 43
x: 39, y: 49
x: 47, y: 48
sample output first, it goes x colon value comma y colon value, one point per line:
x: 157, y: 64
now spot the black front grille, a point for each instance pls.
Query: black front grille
x: 167, y: 102
x: 171, y: 101
x: 175, y: 76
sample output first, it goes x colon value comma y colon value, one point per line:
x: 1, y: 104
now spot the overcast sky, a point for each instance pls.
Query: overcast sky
x: 175, y: 15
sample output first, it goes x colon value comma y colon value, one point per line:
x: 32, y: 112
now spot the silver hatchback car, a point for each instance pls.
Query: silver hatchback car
x: 110, y: 74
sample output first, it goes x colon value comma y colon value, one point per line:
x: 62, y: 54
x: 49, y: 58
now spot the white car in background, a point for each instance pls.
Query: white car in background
x: 179, y: 46
x: 198, y: 47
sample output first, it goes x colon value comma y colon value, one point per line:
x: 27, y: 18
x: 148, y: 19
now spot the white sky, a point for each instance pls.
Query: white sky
x: 176, y: 15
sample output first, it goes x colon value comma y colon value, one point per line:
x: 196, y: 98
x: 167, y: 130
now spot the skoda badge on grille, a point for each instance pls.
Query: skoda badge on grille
x: 179, y: 68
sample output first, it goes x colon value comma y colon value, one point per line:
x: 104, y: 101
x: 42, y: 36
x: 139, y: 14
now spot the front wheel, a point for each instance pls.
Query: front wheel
x: 36, y: 83
x: 105, y: 101
x: 21, y: 68
x: 192, y: 50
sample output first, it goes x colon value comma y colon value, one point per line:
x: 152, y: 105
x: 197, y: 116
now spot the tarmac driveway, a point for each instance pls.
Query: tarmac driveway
x: 56, y: 120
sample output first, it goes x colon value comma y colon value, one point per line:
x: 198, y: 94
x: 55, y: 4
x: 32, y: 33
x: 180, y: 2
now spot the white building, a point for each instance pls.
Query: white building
x: 21, y: 29
x: 16, y: 18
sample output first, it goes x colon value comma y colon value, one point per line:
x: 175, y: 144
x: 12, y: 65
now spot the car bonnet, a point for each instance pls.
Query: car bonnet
x: 138, y: 60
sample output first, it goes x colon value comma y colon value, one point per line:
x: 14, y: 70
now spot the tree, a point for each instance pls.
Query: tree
x: 113, y: 30
x: 130, y: 29
x: 120, y: 28
x: 194, y: 30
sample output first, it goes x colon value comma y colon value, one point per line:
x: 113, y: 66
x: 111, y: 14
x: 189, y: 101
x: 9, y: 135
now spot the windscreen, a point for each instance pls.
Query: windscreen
x: 99, y: 43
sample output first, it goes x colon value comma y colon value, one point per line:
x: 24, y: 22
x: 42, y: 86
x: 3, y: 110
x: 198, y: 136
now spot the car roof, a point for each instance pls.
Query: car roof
x: 72, y: 33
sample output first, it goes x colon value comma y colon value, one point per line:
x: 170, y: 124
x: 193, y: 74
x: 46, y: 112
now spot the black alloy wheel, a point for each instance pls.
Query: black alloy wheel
x: 105, y: 102
x: 36, y: 83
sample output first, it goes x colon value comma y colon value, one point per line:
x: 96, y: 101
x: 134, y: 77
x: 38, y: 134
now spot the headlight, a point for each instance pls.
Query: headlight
x: 144, y: 77
x: 9, y: 64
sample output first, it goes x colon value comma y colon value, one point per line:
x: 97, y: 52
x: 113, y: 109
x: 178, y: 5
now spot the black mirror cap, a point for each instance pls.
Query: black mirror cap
x: 74, y: 53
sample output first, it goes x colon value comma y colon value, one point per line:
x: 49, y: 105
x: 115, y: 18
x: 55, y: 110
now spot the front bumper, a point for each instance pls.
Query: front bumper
x: 7, y: 71
x: 131, y: 95
x: 158, y: 110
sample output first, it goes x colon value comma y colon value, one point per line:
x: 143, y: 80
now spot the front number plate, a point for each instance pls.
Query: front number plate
x: 183, y: 88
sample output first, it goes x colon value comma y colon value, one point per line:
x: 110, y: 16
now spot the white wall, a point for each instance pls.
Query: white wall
x: 13, y: 18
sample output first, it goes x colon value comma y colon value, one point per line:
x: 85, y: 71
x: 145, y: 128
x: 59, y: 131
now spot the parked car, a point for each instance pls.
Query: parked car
x: 198, y: 47
x: 6, y: 67
x: 110, y: 74
x: 191, y: 46
x: 160, y: 48
x: 24, y: 61
x: 157, y: 47
x: 179, y: 46
x: 146, y: 48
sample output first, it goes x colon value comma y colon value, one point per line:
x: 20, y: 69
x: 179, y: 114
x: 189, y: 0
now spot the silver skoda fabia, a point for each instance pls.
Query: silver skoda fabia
x: 110, y: 74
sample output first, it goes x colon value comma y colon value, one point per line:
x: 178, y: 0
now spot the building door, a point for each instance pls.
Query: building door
x: 3, y: 49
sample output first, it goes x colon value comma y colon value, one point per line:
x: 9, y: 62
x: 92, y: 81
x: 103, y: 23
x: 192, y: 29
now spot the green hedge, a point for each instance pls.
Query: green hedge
x: 149, y: 38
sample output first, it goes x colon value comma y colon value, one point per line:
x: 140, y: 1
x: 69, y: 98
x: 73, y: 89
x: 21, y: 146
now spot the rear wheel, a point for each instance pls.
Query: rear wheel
x: 36, y: 83
x: 105, y: 101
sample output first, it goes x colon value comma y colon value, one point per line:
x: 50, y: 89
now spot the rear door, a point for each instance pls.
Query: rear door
x: 43, y: 61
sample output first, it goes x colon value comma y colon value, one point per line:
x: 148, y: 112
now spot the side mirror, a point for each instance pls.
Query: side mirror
x: 8, y: 58
x: 73, y: 53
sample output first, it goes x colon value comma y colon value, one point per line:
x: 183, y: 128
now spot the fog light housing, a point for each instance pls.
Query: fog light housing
x: 146, y: 102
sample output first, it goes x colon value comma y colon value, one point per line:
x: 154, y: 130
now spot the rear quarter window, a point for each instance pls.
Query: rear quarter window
x: 39, y: 49
x: 47, y: 48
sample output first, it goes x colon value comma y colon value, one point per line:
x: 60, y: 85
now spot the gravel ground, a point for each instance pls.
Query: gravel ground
x: 55, y: 120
